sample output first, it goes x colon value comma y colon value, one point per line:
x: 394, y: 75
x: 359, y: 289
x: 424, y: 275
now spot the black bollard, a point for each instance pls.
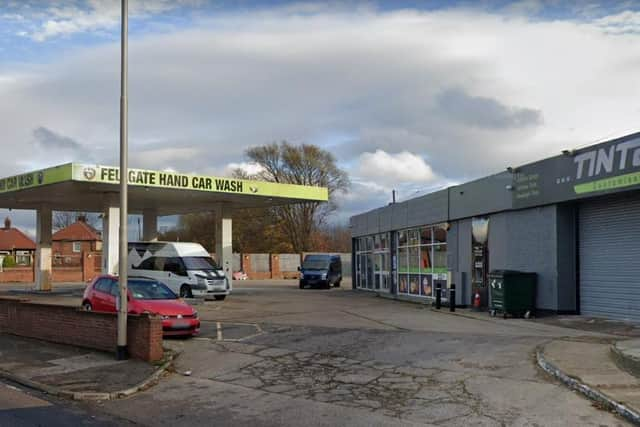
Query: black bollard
x: 438, y: 295
x: 452, y: 297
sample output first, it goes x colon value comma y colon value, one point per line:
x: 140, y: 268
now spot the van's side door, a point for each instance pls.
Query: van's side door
x: 175, y: 273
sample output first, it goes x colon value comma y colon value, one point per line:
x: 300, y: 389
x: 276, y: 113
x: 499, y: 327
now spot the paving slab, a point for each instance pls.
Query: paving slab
x: 69, y: 368
x: 590, y: 368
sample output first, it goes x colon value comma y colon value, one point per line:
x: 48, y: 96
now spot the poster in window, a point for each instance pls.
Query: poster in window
x: 414, y: 284
x: 402, y: 284
x: 426, y: 285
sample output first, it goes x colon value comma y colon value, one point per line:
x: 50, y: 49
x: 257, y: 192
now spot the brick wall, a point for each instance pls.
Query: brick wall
x: 66, y: 274
x: 89, y: 267
x: 17, y: 274
x: 69, y: 325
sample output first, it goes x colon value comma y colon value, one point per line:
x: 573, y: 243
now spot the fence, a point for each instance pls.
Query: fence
x: 279, y: 266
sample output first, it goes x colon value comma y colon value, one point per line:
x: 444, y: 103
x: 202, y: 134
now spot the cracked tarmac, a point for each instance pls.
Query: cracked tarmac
x: 317, y: 365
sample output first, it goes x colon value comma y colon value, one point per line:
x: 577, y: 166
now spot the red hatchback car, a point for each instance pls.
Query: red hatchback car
x: 145, y: 296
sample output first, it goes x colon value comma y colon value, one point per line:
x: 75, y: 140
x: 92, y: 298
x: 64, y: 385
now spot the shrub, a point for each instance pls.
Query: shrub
x: 8, y: 262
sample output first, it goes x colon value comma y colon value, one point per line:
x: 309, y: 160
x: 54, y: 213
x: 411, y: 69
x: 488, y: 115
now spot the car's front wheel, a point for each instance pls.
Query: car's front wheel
x: 86, y: 306
x: 185, y: 291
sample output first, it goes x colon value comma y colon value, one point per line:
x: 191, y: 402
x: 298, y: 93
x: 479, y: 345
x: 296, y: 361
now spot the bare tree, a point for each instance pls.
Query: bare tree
x: 303, y: 165
x: 63, y: 219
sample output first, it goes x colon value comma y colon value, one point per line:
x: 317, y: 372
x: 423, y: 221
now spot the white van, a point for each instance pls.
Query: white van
x: 186, y: 268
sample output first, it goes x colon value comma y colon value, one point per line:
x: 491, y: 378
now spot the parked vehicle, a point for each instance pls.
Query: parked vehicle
x: 144, y: 296
x: 321, y: 270
x: 187, y: 268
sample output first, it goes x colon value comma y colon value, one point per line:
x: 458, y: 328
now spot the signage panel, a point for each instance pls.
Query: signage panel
x: 610, y: 167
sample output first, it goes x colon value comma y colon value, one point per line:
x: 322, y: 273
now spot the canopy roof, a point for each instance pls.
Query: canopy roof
x: 83, y: 187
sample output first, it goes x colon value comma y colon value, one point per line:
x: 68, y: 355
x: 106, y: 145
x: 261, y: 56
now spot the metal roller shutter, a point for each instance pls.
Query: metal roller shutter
x: 609, y: 245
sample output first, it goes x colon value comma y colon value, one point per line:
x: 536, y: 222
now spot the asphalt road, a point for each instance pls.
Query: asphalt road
x: 274, y: 355
x: 20, y: 407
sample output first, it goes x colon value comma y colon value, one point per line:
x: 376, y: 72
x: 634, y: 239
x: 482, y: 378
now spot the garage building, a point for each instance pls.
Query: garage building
x: 574, y: 219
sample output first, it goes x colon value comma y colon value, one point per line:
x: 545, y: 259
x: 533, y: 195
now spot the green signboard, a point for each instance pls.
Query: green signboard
x: 160, y: 179
x: 609, y: 167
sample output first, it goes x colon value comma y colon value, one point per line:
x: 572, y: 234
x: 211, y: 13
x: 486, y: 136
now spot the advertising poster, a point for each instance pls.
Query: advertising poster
x: 402, y: 284
x: 414, y: 284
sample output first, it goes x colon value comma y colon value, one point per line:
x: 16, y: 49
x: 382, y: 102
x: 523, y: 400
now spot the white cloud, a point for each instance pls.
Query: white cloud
x: 624, y: 22
x: 249, y: 168
x: 397, y: 167
x: 70, y: 18
x: 497, y: 91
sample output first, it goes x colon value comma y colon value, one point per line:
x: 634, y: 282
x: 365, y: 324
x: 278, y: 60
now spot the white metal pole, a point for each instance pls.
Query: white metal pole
x: 121, y: 351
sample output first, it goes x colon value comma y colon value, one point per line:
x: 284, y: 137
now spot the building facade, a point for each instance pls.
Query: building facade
x: 69, y: 243
x: 16, y: 244
x: 574, y: 219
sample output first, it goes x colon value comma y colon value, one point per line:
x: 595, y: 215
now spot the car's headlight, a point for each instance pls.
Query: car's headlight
x: 164, y: 317
x: 302, y: 275
x: 324, y: 275
x: 195, y: 313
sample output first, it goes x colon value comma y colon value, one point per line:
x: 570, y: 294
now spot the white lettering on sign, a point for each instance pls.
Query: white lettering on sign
x: 603, y: 160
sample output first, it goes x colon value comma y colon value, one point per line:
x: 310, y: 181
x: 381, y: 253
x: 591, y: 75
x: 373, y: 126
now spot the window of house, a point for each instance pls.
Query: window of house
x: 77, y: 246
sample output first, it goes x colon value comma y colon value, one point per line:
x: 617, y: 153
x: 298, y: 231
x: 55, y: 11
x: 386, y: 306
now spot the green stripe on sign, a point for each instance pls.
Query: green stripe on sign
x: 605, y: 184
x: 38, y: 178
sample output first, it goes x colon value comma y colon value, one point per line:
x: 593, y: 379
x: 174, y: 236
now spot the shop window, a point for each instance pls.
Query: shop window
x: 425, y: 235
x: 402, y: 238
x: 440, y: 258
x: 403, y: 285
x: 426, y: 288
x: 414, y: 260
x: 414, y: 237
x: 403, y: 266
x: 440, y: 234
x: 425, y: 259
x: 414, y: 284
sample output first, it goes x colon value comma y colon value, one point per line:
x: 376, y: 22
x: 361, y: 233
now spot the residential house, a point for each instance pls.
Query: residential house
x: 69, y: 243
x: 17, y: 244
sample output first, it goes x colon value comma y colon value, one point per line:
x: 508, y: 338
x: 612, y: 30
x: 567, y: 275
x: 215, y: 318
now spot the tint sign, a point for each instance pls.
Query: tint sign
x: 610, y: 167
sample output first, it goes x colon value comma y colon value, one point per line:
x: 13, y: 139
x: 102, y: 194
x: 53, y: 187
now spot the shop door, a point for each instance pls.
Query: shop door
x: 480, y: 260
x: 382, y: 271
x: 609, y: 245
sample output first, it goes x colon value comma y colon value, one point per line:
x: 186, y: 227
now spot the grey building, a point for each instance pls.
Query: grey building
x: 574, y: 219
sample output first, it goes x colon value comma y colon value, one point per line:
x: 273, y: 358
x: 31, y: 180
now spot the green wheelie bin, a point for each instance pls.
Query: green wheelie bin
x: 512, y: 293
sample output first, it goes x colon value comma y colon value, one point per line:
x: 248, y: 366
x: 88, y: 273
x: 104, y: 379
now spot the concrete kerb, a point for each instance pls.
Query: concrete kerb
x: 94, y: 396
x: 575, y: 384
x: 623, y: 359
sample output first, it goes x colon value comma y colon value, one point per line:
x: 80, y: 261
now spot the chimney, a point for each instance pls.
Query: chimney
x: 7, y: 223
x: 82, y: 218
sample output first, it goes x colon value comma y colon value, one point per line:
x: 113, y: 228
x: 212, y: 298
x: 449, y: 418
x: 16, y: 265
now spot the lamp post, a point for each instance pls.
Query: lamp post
x: 121, y: 350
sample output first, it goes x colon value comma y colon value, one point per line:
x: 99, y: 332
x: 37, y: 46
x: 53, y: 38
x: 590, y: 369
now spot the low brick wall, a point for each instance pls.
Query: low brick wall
x: 69, y: 325
x: 17, y: 274
x: 67, y: 274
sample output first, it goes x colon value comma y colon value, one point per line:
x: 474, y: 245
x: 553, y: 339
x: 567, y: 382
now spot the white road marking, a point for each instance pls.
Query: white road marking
x: 219, y: 326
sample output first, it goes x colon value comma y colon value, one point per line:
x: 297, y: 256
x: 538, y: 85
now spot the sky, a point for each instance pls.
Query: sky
x: 408, y: 95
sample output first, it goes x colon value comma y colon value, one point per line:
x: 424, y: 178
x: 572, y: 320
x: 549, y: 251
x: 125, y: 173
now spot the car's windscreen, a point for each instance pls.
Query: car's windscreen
x: 199, y: 263
x: 315, y: 264
x: 149, y: 289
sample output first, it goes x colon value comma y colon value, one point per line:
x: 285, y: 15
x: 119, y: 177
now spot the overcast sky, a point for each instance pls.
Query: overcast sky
x: 411, y: 95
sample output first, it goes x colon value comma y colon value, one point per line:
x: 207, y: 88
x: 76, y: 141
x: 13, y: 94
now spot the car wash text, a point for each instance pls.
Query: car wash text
x: 175, y: 180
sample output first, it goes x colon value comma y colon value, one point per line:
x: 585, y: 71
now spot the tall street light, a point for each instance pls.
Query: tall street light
x: 121, y: 351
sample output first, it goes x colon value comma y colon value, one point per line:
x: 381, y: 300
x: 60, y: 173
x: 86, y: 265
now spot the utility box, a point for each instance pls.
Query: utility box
x: 512, y: 293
